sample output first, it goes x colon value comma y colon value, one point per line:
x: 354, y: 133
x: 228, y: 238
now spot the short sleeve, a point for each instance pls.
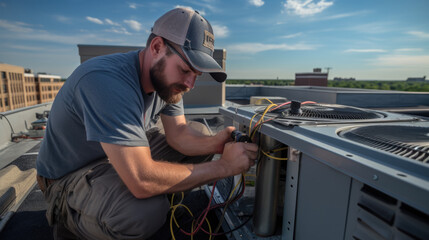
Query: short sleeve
x: 174, y: 109
x: 112, y: 109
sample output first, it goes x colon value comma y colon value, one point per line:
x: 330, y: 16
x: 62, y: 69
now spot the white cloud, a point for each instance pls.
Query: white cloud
x: 419, y: 34
x: 365, y: 50
x: 15, y: 26
x: 220, y: 31
x: 409, y: 49
x: 345, y: 15
x: 306, y: 7
x: 257, y: 3
x: 94, y: 20
x: 62, y: 19
x: 118, y: 30
x: 201, y: 12
x: 401, y: 61
x: 292, y: 35
x: 261, y: 47
x: 110, y: 22
x: 132, y: 5
x: 136, y: 26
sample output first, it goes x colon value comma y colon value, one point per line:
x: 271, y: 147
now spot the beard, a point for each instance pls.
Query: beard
x: 167, y: 93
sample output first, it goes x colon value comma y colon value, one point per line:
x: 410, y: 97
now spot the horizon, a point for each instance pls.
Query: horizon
x: 382, y: 40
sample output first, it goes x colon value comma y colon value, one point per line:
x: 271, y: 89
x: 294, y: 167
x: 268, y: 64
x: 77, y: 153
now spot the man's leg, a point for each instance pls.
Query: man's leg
x: 95, y: 204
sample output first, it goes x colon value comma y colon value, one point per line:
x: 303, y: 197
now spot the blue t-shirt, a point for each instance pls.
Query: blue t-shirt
x: 102, y: 101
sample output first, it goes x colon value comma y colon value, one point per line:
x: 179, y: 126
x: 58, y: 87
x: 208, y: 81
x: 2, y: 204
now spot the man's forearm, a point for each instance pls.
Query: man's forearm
x: 192, y: 143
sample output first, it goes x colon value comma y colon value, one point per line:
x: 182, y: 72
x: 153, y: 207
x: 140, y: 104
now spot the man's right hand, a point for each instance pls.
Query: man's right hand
x: 238, y: 157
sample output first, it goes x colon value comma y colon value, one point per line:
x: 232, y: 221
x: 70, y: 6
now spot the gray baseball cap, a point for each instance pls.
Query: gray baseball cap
x: 194, y: 34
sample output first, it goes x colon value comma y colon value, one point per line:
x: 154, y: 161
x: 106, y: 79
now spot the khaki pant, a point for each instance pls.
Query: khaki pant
x: 94, y: 203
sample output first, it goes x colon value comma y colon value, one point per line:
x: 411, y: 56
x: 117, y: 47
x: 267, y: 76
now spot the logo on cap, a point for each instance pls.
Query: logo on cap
x: 208, y: 40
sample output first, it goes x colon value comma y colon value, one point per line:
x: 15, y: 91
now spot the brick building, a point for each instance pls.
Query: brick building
x: 19, y: 88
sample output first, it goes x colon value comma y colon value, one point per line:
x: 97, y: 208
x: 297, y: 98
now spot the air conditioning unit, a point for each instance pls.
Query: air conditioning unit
x: 350, y: 173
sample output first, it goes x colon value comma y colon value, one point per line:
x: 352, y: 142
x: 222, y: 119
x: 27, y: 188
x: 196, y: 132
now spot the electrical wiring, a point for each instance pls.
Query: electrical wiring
x: 172, y: 218
x: 241, y: 182
x: 273, y: 157
x: 172, y: 199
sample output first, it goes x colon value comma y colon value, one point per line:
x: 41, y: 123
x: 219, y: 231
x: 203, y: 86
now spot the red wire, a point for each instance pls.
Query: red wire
x: 204, y: 212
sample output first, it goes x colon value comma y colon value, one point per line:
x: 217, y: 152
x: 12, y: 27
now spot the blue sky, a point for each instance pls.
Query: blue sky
x: 365, y: 39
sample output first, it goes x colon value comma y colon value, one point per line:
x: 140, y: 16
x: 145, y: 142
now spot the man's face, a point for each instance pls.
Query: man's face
x: 170, y: 93
x: 171, y: 77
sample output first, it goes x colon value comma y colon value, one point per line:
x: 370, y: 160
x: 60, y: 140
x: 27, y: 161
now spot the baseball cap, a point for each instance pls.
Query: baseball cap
x: 194, y: 34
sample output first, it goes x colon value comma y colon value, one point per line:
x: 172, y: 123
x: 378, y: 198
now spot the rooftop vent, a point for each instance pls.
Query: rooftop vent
x: 407, y: 141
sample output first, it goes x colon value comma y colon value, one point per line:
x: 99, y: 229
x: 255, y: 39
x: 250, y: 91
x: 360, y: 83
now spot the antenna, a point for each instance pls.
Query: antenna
x: 328, y: 68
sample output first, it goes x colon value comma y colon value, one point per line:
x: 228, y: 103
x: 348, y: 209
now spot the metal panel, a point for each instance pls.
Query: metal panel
x: 322, y: 201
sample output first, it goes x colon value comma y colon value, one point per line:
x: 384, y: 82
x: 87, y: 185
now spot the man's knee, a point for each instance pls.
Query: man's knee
x: 141, y: 218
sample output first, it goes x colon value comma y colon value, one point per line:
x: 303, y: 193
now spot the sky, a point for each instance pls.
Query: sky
x: 365, y: 39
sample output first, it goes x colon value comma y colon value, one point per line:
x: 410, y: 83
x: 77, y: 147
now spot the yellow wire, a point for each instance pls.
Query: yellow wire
x: 279, y: 149
x: 172, y: 198
x: 268, y: 100
x: 235, y: 188
x: 260, y: 119
x: 275, y: 158
x: 172, y: 218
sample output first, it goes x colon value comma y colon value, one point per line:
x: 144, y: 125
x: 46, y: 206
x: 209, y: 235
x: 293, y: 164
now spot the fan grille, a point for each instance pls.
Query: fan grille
x: 328, y: 112
x: 407, y: 141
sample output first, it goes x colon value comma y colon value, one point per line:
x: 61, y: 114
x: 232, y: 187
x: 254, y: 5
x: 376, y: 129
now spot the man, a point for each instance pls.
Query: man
x: 105, y: 165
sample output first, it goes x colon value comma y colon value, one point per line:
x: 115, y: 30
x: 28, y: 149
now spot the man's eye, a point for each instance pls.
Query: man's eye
x: 185, y: 71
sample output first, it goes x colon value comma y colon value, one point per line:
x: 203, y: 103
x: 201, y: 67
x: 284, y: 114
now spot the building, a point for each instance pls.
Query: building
x: 315, y: 78
x: 416, y: 79
x: 21, y: 88
x: 344, y: 79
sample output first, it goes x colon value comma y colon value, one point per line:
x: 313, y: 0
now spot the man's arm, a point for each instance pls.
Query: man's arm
x: 145, y: 177
x: 190, y: 142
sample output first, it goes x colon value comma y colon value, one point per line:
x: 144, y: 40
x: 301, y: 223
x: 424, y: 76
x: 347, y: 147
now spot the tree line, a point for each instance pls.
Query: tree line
x: 380, y: 85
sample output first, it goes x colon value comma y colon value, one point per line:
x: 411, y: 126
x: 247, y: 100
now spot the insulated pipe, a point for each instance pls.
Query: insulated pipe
x: 266, y: 189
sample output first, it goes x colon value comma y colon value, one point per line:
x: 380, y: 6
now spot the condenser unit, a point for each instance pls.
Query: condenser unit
x: 350, y: 173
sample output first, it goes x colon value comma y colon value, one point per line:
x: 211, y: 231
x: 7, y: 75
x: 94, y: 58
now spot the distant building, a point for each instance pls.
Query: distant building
x: 416, y: 79
x: 315, y: 78
x: 344, y: 79
x: 21, y: 88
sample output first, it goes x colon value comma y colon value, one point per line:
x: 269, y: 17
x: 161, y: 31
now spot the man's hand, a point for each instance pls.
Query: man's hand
x: 238, y: 157
x: 223, y: 137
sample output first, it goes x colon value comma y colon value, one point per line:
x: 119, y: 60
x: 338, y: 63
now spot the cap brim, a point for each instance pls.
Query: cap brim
x: 205, y: 63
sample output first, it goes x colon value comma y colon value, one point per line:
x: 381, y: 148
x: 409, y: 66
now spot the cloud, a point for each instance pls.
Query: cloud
x: 292, y: 35
x: 409, y: 50
x: 110, y: 22
x: 119, y: 30
x: 15, y: 26
x: 136, y: 26
x: 62, y: 19
x: 306, y: 7
x: 401, y: 61
x: 365, y: 50
x: 257, y: 3
x: 419, y: 34
x: 132, y: 5
x: 94, y: 20
x: 345, y: 15
x: 220, y: 31
x: 201, y: 12
x: 253, y: 48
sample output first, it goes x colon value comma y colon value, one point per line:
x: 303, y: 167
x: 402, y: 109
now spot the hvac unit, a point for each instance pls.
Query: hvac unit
x: 350, y: 173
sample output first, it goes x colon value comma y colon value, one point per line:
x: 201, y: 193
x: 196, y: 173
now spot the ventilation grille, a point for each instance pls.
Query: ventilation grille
x: 327, y: 112
x: 407, y: 141
x: 382, y: 217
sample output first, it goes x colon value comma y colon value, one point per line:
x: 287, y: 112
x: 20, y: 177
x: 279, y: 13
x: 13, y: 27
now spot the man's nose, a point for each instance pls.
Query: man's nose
x: 190, y: 81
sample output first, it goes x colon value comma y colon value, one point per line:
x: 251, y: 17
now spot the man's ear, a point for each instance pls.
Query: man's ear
x: 157, y: 47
